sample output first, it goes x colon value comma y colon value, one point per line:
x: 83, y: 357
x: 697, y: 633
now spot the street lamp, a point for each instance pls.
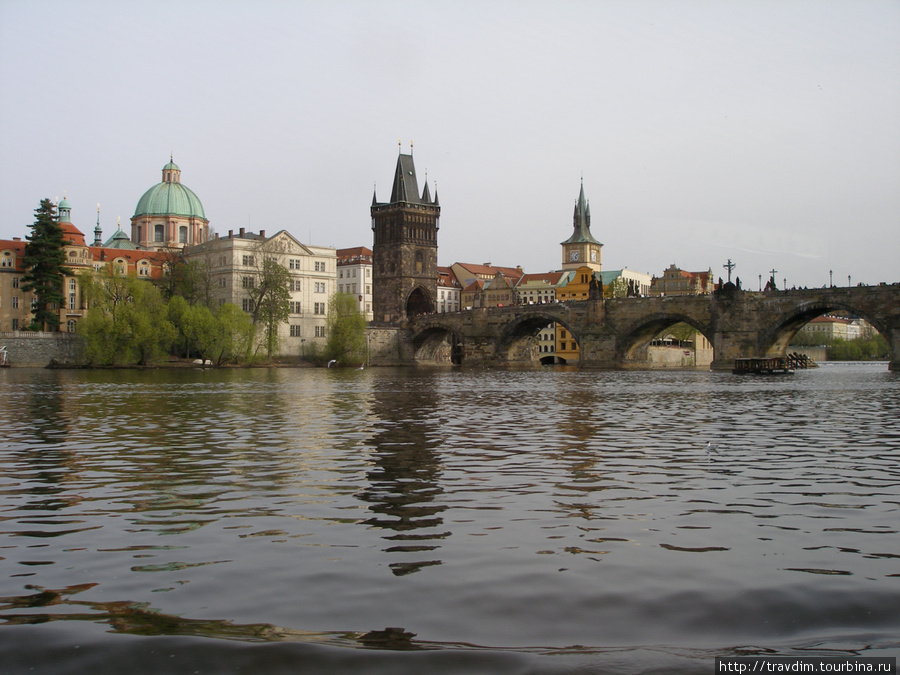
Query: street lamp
x: 760, y: 283
x: 830, y: 279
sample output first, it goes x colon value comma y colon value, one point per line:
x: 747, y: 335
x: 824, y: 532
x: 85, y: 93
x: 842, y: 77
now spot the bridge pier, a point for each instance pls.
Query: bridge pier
x: 731, y: 345
x: 893, y: 339
x: 598, y: 352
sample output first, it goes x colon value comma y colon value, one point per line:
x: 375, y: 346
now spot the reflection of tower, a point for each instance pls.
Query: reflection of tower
x: 404, y: 250
x: 404, y: 481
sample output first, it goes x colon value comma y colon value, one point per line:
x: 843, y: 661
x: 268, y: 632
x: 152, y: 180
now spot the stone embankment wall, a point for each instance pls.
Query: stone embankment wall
x: 31, y: 349
x: 678, y: 357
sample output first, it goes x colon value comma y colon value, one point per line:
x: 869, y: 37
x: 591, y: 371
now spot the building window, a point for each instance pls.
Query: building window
x: 320, y: 287
x: 71, y: 324
x: 71, y: 301
x: 15, y: 324
x: 295, y: 284
x: 248, y: 282
x: 320, y: 266
x: 295, y: 331
x: 248, y: 261
x: 15, y: 282
x: 295, y: 307
x: 319, y: 308
x: 223, y: 282
x: 159, y: 232
x: 182, y: 234
x: 294, y: 264
x: 15, y: 302
x: 320, y: 331
x: 247, y: 304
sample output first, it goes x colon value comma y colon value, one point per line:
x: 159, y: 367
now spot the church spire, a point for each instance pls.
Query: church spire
x: 582, y: 221
x: 98, y: 233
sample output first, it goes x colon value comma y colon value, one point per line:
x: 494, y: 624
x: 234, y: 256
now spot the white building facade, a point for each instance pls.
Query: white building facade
x: 234, y: 266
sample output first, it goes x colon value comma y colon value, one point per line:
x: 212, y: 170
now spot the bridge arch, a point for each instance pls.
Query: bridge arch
x: 515, y: 344
x: 631, y: 347
x: 775, y: 338
x: 437, y: 344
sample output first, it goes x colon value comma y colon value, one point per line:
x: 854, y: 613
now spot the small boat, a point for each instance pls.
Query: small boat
x: 762, y: 365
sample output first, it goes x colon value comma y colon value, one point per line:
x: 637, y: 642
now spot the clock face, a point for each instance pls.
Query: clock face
x: 593, y: 256
x: 574, y: 256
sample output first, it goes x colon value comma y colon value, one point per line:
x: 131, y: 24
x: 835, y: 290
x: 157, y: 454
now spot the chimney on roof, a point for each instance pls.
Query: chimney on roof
x: 230, y: 234
x: 217, y: 235
x: 487, y: 264
x: 242, y: 232
x: 262, y: 233
x: 17, y: 238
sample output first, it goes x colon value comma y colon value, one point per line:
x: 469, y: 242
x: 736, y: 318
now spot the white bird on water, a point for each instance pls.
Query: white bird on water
x: 332, y: 362
x: 711, y: 448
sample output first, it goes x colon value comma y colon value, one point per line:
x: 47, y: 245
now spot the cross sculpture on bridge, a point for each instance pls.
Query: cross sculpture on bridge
x: 729, y: 266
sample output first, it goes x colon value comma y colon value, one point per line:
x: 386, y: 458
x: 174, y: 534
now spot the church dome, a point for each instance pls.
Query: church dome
x: 170, y: 197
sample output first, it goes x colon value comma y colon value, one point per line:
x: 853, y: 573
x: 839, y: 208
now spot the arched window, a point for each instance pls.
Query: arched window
x: 71, y: 324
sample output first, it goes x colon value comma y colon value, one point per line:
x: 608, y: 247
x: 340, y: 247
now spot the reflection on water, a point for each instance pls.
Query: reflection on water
x: 404, y: 481
x: 489, y: 519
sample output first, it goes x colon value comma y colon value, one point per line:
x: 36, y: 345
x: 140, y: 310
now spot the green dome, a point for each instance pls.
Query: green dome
x: 170, y: 197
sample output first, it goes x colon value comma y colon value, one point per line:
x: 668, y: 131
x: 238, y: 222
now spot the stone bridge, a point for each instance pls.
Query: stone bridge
x: 615, y: 333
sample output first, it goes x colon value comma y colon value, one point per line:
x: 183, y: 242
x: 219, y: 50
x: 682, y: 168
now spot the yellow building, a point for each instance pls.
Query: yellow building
x: 580, y: 284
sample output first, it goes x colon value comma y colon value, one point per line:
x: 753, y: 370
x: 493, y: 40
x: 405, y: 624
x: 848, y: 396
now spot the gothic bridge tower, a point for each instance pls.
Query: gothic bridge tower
x: 404, y: 281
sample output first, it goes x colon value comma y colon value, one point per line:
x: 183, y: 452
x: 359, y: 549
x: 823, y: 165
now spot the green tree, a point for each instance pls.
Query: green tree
x: 44, y: 263
x: 127, y: 321
x: 271, y: 300
x: 617, y: 288
x: 190, y: 279
x: 235, y: 337
x: 345, y: 330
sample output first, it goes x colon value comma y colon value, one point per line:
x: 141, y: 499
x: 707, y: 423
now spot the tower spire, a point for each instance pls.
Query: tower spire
x: 98, y: 233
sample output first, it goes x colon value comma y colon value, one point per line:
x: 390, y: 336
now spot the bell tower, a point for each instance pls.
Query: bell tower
x: 581, y: 249
x: 404, y: 250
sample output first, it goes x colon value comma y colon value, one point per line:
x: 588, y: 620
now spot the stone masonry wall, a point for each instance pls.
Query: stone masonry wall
x: 31, y: 349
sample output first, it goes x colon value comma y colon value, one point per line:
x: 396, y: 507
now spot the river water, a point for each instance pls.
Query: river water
x: 423, y: 521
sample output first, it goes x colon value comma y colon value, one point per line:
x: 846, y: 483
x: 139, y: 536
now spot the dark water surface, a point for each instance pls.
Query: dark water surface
x: 478, y: 521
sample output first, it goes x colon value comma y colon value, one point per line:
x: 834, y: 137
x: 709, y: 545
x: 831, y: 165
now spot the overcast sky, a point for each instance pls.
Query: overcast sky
x: 767, y: 132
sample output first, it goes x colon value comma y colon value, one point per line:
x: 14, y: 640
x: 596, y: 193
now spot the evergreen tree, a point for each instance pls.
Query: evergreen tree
x: 44, y: 262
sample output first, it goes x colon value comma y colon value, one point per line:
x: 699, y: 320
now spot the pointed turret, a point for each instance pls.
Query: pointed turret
x: 582, y: 229
x: 98, y: 233
x: 426, y: 194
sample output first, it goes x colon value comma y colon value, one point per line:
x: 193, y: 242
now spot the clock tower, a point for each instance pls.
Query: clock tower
x: 581, y: 249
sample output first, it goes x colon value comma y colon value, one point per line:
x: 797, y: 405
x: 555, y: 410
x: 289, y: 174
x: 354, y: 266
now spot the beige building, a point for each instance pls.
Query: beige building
x: 354, y: 276
x: 676, y: 281
x: 537, y: 289
x: 234, y: 267
x: 828, y: 328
